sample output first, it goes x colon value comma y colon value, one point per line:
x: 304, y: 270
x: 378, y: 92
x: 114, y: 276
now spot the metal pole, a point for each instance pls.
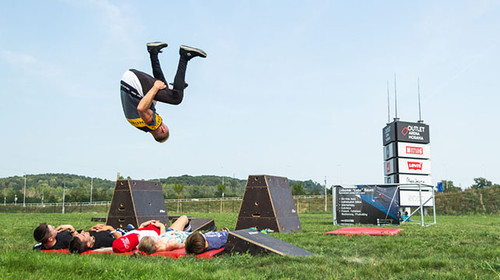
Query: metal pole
x: 334, y: 204
x: 64, y: 195
x: 421, y: 206
x: 91, y: 183
x: 434, y: 205
x: 395, y: 98
x: 24, y: 192
x: 326, y: 203
x: 419, y: 107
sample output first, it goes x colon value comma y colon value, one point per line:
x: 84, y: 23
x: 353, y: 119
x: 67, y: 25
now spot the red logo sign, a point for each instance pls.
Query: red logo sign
x: 412, y: 165
x: 404, y: 131
x: 414, y: 150
x: 388, y: 167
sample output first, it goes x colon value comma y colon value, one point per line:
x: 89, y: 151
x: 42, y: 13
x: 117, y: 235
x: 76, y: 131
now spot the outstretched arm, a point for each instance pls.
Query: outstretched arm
x: 159, y: 225
x: 148, y: 222
x: 69, y: 228
x: 143, y: 109
x: 102, y: 227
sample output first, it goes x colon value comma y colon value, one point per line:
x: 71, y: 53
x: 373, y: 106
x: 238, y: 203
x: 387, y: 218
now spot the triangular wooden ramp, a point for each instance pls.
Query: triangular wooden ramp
x: 256, y: 243
x: 268, y: 204
x: 135, y: 202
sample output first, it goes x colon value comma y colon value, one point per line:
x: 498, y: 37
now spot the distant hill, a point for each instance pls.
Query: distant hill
x: 50, y: 187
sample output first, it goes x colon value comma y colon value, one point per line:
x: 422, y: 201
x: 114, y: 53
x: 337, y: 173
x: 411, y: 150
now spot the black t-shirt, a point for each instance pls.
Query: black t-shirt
x: 102, y: 239
x: 62, y: 241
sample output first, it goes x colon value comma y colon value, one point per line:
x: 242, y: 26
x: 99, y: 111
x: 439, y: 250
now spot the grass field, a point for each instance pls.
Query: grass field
x: 458, y: 247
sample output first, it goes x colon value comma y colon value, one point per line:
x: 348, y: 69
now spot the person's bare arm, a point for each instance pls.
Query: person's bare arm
x: 147, y: 223
x: 172, y: 245
x: 143, y: 109
x: 69, y: 228
x: 102, y: 227
x: 159, y: 225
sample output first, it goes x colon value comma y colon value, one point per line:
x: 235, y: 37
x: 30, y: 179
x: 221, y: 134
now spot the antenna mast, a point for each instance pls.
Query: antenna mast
x: 395, y: 98
x: 419, y: 107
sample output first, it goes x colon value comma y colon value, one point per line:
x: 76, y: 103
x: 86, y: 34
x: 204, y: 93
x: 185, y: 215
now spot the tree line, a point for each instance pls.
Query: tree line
x: 49, y: 188
x: 479, y: 183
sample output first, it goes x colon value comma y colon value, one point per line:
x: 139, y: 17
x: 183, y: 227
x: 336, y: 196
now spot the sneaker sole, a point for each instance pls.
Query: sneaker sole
x: 190, y: 49
x: 156, y: 44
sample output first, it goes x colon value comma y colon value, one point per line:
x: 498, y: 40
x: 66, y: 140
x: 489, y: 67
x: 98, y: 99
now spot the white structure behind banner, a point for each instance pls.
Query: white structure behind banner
x: 410, y: 195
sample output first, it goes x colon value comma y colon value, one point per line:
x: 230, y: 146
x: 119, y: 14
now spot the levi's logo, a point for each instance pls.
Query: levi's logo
x: 414, y: 150
x: 412, y: 165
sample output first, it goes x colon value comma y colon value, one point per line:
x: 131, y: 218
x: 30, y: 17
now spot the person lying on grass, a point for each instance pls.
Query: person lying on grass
x: 129, y: 241
x: 171, y: 239
x: 176, y: 239
x: 51, y: 238
x: 198, y: 243
x: 98, y: 236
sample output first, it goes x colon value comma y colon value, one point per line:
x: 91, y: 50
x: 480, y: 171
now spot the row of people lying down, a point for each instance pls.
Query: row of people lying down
x: 150, y: 237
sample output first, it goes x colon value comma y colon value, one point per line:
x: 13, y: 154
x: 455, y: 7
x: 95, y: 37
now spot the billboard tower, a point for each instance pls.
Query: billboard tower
x: 407, y: 153
x: 407, y: 150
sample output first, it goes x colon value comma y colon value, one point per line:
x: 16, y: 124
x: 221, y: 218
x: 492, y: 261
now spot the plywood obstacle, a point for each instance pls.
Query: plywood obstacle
x: 198, y: 224
x: 256, y: 243
x: 135, y: 202
x: 268, y: 204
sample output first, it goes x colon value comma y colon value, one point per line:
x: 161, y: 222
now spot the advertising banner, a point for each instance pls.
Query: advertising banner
x: 406, y: 132
x: 390, y: 151
x: 367, y: 204
x: 413, y: 150
x: 413, y: 166
x: 389, y: 133
x: 405, y: 149
x: 408, y: 179
x: 390, y: 167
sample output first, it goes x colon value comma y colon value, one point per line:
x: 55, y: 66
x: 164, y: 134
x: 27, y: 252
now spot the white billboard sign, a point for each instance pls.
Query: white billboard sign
x: 414, y: 150
x: 405, y: 149
x: 414, y: 166
x: 407, y: 165
x: 408, y: 179
x: 410, y: 196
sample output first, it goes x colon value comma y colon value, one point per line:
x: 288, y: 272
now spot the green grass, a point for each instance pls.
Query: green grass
x: 458, y: 247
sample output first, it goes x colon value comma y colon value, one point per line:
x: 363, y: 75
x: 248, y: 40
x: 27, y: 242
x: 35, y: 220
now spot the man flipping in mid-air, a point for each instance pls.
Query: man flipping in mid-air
x: 139, y: 91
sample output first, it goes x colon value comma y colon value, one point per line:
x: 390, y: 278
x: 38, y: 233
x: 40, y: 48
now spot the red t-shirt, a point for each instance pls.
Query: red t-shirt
x: 129, y: 241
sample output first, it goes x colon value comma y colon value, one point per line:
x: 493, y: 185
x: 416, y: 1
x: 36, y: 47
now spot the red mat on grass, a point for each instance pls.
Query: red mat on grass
x: 365, y: 231
x: 169, y: 254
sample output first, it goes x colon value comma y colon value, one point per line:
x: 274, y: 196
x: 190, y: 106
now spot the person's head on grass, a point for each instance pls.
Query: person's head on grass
x: 196, y: 243
x: 81, y: 242
x: 149, y: 245
x: 45, y: 234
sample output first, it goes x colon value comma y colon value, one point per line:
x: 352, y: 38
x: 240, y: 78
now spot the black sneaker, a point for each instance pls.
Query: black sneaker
x: 155, y: 47
x: 190, y: 52
x: 185, y: 84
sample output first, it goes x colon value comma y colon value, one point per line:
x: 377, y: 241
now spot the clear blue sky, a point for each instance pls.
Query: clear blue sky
x: 289, y: 88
